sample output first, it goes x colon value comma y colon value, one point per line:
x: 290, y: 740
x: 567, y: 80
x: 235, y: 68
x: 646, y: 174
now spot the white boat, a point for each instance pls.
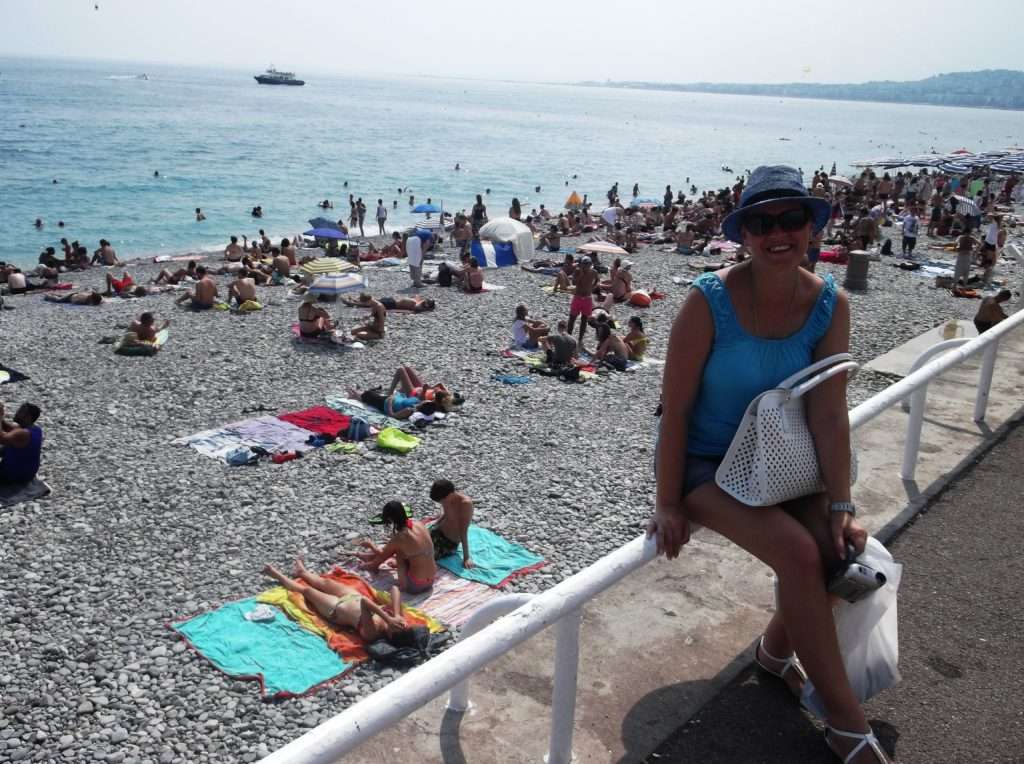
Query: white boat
x: 274, y: 77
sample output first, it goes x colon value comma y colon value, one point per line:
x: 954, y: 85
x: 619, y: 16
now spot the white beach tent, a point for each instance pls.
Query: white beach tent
x: 507, y: 229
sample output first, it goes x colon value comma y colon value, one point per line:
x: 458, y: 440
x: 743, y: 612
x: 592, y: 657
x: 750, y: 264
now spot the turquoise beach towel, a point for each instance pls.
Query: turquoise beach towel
x: 497, y: 560
x: 286, y: 659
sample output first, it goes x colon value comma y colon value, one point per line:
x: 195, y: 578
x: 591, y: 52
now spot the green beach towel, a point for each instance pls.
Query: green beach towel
x: 146, y: 348
x: 282, y: 656
x: 496, y: 560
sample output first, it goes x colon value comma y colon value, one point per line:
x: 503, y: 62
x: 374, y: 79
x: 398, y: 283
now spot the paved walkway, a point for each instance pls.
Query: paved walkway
x: 663, y: 643
x: 961, y: 619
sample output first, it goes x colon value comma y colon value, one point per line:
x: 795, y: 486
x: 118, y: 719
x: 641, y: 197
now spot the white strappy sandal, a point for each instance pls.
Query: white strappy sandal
x: 864, y: 739
x: 792, y: 663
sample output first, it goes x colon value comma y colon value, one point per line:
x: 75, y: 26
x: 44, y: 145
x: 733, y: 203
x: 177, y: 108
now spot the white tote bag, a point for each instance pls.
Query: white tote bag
x: 868, y: 634
x: 772, y: 458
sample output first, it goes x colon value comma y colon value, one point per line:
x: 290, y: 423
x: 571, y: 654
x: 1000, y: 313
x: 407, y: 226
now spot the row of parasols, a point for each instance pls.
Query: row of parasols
x: 1008, y: 161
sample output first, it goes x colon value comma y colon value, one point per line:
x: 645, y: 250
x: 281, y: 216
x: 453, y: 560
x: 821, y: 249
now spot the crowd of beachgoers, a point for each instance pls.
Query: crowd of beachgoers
x: 138, y: 532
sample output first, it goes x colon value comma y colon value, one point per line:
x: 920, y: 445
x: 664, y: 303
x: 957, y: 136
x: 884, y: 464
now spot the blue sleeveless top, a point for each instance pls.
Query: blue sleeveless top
x: 740, y: 366
x: 20, y: 465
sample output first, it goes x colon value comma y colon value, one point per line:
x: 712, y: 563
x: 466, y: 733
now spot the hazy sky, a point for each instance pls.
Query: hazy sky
x: 663, y: 40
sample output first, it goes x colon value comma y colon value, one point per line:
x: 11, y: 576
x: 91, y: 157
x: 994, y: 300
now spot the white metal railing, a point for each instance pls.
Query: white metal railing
x: 562, y: 603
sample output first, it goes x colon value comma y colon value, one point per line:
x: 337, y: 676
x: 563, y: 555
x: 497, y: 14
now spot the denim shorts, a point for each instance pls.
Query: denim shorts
x: 699, y: 470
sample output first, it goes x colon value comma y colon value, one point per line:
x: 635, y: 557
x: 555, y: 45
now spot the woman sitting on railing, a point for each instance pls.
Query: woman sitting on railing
x: 741, y: 331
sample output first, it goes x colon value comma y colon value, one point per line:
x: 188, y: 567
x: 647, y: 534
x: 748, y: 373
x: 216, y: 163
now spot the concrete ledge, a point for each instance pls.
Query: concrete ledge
x: 658, y: 645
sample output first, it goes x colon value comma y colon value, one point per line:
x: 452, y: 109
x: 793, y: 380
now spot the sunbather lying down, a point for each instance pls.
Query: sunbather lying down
x: 344, y: 607
x: 415, y: 304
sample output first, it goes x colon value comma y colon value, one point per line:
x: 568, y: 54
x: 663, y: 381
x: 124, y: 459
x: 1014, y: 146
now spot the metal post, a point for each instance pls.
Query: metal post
x: 988, y: 365
x: 563, y: 698
x: 913, y: 442
x: 458, y: 698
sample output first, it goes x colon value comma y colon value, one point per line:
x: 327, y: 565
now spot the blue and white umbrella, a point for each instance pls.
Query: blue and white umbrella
x: 324, y: 223
x: 325, y: 233
x: 966, y: 206
x: 494, y: 254
x: 646, y: 201
x: 338, y: 283
x: 421, y: 208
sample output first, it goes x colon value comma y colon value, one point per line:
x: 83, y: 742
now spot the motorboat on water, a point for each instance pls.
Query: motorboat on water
x: 274, y: 77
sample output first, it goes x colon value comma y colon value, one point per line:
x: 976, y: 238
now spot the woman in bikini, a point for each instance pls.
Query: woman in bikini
x: 410, y: 545
x: 636, y: 340
x: 344, y: 607
x: 314, y: 321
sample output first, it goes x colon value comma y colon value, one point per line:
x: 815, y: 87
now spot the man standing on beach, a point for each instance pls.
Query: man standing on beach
x: 414, y: 255
x: 478, y: 216
x: 382, y: 216
x: 582, y: 304
x: 361, y: 214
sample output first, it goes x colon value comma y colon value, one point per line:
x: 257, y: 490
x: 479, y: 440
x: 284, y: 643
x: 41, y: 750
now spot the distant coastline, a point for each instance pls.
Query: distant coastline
x: 986, y: 89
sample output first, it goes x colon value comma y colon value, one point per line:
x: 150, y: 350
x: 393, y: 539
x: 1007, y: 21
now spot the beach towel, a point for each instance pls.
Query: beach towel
x: 349, y: 646
x: 537, y: 360
x: 511, y: 379
x: 393, y: 439
x: 354, y: 408
x: 451, y: 600
x: 325, y: 341
x: 10, y: 376
x: 319, y: 419
x: 123, y: 347
x: 286, y: 659
x: 18, y: 493
x: 550, y: 289
x: 497, y: 560
x: 271, y: 433
x: 215, y: 443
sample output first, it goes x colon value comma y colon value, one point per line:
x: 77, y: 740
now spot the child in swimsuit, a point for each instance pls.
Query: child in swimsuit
x: 410, y: 544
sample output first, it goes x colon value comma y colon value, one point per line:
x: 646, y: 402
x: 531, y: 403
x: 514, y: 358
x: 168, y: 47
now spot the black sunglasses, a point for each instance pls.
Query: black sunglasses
x: 760, y: 223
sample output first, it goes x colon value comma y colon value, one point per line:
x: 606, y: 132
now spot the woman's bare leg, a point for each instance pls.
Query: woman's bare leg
x: 321, y: 602
x: 327, y: 585
x: 805, y: 614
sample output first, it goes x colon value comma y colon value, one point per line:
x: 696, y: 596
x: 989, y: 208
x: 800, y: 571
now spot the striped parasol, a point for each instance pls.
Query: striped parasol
x: 840, y: 181
x: 338, y: 283
x: 324, y: 265
x: 966, y: 206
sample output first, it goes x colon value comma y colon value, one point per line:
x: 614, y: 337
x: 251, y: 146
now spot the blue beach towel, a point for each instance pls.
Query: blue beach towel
x: 512, y: 379
x: 286, y: 659
x: 497, y: 560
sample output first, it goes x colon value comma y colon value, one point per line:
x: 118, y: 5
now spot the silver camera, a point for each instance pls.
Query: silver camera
x: 855, y: 580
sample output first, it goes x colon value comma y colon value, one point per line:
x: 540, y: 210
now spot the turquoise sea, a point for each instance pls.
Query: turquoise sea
x: 224, y: 143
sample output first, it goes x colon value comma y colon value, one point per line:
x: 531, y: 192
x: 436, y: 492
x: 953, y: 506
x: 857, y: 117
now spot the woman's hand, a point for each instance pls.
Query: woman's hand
x: 846, y: 530
x: 671, y: 529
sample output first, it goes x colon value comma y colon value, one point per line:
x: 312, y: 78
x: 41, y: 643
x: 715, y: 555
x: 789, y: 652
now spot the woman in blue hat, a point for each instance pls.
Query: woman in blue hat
x: 740, y: 332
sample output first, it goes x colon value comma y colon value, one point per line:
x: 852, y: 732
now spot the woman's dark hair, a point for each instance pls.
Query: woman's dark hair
x: 394, y: 514
x: 637, y: 322
x: 603, y: 331
x: 441, y: 489
x: 473, y: 262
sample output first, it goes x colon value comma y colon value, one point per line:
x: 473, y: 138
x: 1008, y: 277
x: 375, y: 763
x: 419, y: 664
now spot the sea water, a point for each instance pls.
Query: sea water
x: 224, y: 143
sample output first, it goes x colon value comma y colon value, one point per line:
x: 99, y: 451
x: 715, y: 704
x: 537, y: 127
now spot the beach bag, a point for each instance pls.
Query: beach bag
x: 772, y: 457
x: 393, y: 439
x: 238, y: 457
x: 444, y: 275
x: 358, y: 429
x: 868, y: 634
x: 414, y: 647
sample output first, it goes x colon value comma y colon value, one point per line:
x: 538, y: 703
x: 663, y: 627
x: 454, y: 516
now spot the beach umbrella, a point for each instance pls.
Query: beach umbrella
x: 966, y: 206
x: 326, y: 233
x: 324, y: 265
x: 324, y: 223
x: 338, y: 283
x: 511, y: 231
x: 430, y: 225
x: 840, y: 181
x: 421, y: 208
x: 574, y: 201
x: 603, y: 247
x: 494, y: 254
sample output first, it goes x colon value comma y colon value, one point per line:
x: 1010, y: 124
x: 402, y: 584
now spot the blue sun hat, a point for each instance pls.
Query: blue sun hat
x: 767, y: 184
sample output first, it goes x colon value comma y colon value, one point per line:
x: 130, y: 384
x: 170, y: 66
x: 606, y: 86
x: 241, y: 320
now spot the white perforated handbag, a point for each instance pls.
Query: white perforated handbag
x: 772, y: 457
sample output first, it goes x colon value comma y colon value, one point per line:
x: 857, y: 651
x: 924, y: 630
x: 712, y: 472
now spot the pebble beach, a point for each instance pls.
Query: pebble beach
x: 139, y: 532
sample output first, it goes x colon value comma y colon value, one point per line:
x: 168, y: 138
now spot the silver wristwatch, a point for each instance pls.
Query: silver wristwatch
x: 843, y: 506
